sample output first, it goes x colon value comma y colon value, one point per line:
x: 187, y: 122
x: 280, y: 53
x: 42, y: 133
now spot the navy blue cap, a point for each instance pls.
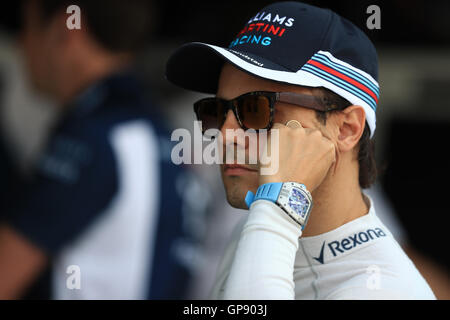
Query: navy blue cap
x: 289, y: 42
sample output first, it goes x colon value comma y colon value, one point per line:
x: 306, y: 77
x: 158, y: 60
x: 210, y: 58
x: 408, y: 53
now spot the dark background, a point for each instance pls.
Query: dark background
x: 412, y: 22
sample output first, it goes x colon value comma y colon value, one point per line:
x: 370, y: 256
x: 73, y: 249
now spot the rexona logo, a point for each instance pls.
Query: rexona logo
x: 340, y: 246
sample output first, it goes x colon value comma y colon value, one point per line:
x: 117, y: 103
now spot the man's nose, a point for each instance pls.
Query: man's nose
x: 230, y: 123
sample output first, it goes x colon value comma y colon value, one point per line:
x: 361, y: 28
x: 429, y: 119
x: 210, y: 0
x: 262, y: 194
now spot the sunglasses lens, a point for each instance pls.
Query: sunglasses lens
x: 211, y: 113
x: 254, y: 111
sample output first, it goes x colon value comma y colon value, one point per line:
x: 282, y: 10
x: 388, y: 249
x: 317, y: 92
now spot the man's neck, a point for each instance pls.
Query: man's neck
x: 336, y: 201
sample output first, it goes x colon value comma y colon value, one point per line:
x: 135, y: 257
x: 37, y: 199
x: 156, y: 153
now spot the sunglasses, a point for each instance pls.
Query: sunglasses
x: 253, y: 110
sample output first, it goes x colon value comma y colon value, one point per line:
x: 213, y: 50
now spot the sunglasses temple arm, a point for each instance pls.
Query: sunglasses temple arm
x: 304, y: 100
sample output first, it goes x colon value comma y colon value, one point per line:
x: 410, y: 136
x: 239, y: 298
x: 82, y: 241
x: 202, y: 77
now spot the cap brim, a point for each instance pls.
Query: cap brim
x: 196, y: 66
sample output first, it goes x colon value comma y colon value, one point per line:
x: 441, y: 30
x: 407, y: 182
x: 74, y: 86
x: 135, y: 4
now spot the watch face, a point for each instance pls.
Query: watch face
x: 298, y: 202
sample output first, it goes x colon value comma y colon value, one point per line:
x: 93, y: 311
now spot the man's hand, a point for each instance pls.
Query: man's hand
x: 305, y: 156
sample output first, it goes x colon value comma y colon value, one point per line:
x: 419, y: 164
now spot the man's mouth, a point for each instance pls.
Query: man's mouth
x: 237, y: 170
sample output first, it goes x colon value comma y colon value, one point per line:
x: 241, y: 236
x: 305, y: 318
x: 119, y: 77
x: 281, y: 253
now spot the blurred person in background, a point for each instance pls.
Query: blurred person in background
x: 102, y: 217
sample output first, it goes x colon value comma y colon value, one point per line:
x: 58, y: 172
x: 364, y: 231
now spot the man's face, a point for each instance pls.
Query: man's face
x: 233, y: 83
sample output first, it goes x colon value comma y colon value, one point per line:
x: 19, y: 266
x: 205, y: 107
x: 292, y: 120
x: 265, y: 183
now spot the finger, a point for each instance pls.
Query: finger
x: 335, y: 159
x: 326, y: 132
x: 293, y: 124
x: 324, y: 137
x: 311, y: 130
x: 278, y: 125
x: 334, y: 153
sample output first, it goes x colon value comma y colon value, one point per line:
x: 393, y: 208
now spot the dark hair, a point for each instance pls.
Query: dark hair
x: 366, y: 155
x: 117, y: 25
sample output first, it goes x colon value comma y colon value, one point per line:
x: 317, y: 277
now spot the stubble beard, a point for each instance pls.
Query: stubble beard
x: 236, y: 188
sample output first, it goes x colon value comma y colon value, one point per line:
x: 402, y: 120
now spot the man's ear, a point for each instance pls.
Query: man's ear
x: 351, y: 126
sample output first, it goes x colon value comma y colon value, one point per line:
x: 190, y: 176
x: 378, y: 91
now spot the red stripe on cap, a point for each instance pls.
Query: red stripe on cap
x: 344, y: 77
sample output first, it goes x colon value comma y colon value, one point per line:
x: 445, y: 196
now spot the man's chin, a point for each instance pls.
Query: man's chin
x: 236, y: 189
x: 236, y: 203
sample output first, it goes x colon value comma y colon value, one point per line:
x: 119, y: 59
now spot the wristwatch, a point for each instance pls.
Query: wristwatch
x: 292, y: 197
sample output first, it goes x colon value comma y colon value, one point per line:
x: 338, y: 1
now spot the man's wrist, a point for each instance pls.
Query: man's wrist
x: 292, y: 197
x: 275, y: 179
x: 263, y: 209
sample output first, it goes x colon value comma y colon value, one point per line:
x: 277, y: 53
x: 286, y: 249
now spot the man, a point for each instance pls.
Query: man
x: 102, y: 218
x: 310, y: 233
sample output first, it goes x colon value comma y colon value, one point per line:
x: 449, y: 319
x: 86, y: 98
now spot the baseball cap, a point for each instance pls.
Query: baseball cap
x: 293, y: 43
